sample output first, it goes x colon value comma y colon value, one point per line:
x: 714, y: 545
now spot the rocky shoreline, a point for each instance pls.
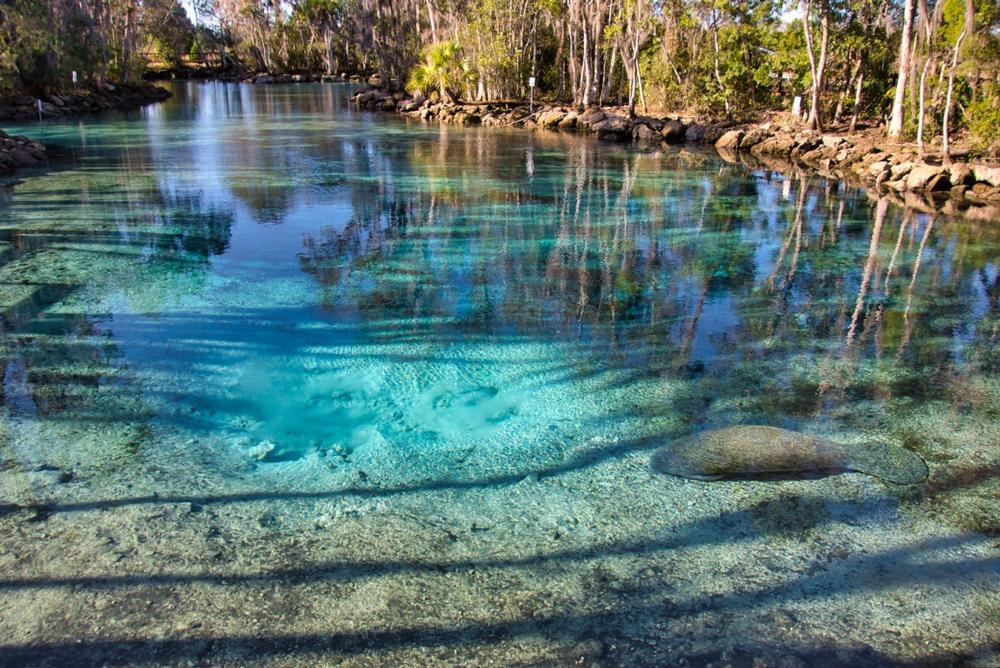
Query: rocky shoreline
x: 17, y: 152
x: 865, y: 157
x: 21, y: 107
x: 242, y: 76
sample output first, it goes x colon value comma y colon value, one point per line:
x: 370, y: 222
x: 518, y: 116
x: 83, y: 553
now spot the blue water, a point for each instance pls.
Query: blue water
x: 298, y: 280
x: 286, y: 380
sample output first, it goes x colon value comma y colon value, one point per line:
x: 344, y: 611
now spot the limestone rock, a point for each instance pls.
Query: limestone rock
x: 939, y: 183
x: 695, y: 133
x: 776, y: 145
x: 568, y: 121
x: 983, y: 193
x: 643, y: 133
x: 878, y: 169
x: 754, y: 137
x: 961, y: 174
x: 901, y: 170
x: 550, y: 118
x: 989, y: 174
x: 590, y: 117
x: 673, y: 132
x: 22, y: 158
x: 921, y: 175
x: 833, y: 141
x: 730, y: 140
x: 612, y: 127
x: 714, y: 132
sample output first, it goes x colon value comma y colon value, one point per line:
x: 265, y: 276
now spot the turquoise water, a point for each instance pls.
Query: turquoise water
x: 257, y: 290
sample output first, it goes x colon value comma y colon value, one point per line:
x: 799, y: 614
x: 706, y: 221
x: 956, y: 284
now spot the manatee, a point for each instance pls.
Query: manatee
x: 756, y: 451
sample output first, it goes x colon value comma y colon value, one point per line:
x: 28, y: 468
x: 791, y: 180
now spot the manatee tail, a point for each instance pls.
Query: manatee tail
x: 892, y: 464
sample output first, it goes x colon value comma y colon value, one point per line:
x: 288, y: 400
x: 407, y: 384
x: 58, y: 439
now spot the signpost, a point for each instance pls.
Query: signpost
x: 531, y: 95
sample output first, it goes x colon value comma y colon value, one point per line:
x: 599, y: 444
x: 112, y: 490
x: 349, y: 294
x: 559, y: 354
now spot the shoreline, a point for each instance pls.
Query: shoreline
x: 17, y: 152
x: 21, y: 107
x: 865, y: 158
x: 240, y: 76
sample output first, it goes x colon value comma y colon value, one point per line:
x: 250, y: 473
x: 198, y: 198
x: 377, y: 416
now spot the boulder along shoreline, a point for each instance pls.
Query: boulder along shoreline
x: 19, y: 151
x: 864, y: 158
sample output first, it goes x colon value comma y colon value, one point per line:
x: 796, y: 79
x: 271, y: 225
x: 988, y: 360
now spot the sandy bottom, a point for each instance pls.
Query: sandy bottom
x: 596, y: 561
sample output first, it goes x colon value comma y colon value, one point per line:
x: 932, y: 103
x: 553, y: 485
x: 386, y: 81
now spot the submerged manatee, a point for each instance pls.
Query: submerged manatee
x: 753, y: 451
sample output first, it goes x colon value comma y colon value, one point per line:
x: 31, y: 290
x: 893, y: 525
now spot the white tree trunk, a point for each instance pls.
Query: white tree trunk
x: 896, y: 118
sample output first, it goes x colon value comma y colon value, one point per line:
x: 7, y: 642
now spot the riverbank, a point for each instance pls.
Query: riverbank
x: 244, y: 76
x: 865, y: 157
x: 22, y: 107
x: 20, y: 152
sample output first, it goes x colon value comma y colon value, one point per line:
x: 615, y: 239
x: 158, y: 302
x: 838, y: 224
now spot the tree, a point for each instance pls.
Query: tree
x: 442, y: 69
x: 817, y: 66
x: 902, y: 70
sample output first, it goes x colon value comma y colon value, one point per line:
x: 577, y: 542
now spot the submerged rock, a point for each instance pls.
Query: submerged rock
x: 754, y: 451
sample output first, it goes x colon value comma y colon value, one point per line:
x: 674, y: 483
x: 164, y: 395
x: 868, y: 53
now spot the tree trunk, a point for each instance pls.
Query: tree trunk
x: 903, y: 64
x: 430, y: 14
x: 857, y: 101
x: 945, y: 148
x: 921, y: 152
x: 718, y: 76
x: 815, y: 121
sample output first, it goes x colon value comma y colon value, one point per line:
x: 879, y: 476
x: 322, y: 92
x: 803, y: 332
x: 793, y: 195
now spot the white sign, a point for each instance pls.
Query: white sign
x: 531, y: 82
x: 74, y: 76
x: 797, y: 106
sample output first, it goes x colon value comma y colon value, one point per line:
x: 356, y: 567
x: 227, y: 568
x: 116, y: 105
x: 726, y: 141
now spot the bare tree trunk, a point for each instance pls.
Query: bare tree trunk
x: 945, y: 148
x: 815, y: 121
x: 896, y: 117
x: 839, y: 113
x: 920, y: 110
x: 433, y: 22
x: 609, y: 77
x: 127, y: 41
x: 718, y: 76
x: 857, y: 96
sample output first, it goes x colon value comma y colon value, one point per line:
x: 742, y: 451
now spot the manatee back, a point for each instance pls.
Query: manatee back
x: 750, y: 451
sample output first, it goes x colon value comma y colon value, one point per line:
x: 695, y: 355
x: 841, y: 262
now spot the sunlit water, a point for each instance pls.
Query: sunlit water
x: 260, y: 284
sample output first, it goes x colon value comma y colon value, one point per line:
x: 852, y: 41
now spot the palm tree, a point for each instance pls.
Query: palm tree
x: 442, y: 68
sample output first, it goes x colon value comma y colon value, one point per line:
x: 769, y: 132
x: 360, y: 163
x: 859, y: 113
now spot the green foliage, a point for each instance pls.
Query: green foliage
x: 441, y: 69
x: 984, y: 120
x: 43, y: 41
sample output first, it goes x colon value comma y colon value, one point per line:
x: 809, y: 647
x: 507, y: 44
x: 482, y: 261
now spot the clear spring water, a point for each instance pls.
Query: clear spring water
x: 260, y: 282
